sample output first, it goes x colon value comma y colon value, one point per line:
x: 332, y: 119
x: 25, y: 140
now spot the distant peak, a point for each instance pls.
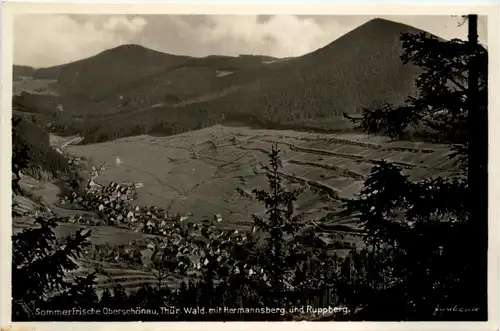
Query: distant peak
x: 132, y: 50
x: 128, y: 47
x: 381, y: 20
x: 387, y: 24
x: 377, y: 29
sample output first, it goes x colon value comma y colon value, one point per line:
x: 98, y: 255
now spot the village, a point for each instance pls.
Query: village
x: 172, y: 246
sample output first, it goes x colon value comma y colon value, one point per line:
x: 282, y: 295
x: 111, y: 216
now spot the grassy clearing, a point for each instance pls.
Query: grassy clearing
x: 31, y: 85
x: 100, y: 234
x: 199, y: 171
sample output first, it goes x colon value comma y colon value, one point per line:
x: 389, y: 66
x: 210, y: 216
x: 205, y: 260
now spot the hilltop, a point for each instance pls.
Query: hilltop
x: 108, y: 71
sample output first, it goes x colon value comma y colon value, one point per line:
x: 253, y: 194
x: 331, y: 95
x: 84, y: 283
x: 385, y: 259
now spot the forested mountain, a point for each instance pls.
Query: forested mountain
x: 133, y: 90
x: 108, y: 71
x: 358, y: 69
x: 187, y: 81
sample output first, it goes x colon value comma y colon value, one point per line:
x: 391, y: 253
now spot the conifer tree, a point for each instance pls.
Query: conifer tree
x: 418, y: 230
x: 279, y: 221
x: 40, y: 266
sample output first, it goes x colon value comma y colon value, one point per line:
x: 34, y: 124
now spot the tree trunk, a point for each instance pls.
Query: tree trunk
x: 477, y: 163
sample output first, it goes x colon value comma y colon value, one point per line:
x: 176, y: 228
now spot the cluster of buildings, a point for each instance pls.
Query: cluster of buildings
x: 113, y: 203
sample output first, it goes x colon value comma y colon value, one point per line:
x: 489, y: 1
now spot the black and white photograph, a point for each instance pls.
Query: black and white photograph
x: 240, y: 167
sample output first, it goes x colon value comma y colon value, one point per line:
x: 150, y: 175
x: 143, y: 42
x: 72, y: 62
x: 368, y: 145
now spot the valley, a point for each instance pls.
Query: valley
x: 213, y: 171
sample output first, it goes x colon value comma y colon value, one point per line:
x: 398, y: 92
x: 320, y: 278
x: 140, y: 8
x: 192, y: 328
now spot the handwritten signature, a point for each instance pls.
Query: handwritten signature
x: 455, y: 309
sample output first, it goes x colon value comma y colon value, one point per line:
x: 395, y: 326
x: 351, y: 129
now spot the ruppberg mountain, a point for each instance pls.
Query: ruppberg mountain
x: 160, y: 92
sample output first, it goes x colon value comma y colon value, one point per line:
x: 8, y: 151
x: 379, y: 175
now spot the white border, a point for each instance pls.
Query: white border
x: 9, y: 10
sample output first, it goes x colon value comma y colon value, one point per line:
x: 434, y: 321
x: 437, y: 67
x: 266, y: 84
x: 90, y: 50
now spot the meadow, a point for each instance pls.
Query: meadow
x: 29, y: 84
x: 214, y: 170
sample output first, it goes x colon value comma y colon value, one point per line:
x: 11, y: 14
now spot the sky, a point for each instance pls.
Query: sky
x: 42, y: 40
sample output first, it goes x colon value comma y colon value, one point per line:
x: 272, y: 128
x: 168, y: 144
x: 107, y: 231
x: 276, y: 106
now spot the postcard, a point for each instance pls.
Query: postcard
x: 304, y: 164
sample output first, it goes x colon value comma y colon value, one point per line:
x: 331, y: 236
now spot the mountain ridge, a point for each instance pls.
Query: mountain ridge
x: 361, y: 69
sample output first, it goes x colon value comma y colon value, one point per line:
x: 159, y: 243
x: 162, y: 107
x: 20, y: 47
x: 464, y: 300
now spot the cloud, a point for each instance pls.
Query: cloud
x: 278, y: 36
x: 45, y: 40
x: 122, y: 24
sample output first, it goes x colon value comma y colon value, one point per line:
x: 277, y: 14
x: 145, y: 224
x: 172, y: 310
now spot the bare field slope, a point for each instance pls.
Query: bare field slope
x: 214, y: 170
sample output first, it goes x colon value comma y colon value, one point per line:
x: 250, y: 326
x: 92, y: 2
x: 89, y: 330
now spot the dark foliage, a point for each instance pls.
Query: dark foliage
x: 421, y: 228
x: 280, y: 220
x: 19, y: 155
x: 441, y: 109
x: 39, y: 269
x: 31, y: 150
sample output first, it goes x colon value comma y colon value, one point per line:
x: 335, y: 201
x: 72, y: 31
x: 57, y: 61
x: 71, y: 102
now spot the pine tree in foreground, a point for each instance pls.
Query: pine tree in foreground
x: 40, y: 267
x: 418, y: 231
x: 279, y: 224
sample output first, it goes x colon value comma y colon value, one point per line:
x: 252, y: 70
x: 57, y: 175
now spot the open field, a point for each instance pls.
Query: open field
x: 32, y: 85
x: 214, y: 170
x: 131, y: 279
x: 100, y: 234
